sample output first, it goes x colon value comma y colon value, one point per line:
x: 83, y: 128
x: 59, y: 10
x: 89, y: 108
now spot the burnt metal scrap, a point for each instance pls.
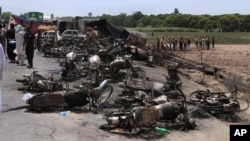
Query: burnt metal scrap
x: 143, y: 108
x: 94, y: 96
x: 35, y: 82
x: 220, y: 104
x: 172, y: 115
x: 75, y: 66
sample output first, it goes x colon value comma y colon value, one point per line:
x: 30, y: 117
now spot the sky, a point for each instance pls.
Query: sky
x: 62, y: 8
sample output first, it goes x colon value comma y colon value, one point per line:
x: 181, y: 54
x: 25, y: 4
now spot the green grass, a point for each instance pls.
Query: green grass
x: 220, y: 37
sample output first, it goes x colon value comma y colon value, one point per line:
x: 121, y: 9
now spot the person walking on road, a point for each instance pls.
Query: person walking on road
x: 2, y: 36
x: 29, y: 46
x: 11, y: 43
x: 19, y: 45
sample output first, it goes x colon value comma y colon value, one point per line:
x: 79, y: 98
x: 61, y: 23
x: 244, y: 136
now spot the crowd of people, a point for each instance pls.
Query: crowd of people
x: 17, y: 43
x: 173, y: 43
x: 204, y: 42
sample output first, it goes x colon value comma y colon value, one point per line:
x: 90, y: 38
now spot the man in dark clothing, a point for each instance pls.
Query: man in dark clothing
x: 29, y: 45
x: 213, y: 40
x: 11, y: 44
x: 2, y: 36
x: 181, y: 43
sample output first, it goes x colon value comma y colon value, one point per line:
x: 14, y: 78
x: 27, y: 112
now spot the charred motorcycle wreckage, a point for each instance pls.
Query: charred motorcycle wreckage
x: 146, y: 106
x: 35, y: 82
x: 80, y: 97
x: 170, y: 88
x: 156, y: 112
x: 75, y: 66
x: 220, y: 104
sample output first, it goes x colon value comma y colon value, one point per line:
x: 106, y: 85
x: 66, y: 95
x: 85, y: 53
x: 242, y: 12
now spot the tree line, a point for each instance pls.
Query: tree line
x: 220, y: 23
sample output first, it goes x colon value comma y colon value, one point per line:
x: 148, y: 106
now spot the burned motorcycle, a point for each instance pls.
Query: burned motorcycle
x: 113, y: 69
x: 46, y: 45
x: 218, y: 103
x: 28, y: 77
x: 170, y: 88
x: 72, y: 69
x: 136, y: 91
x: 114, y: 49
x: 71, y: 98
x: 37, y: 83
x: 173, y: 77
x: 150, y: 59
x: 154, y: 89
x: 94, y: 69
x: 174, y: 113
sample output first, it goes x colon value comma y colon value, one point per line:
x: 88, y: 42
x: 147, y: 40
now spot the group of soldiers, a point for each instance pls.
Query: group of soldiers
x: 92, y: 35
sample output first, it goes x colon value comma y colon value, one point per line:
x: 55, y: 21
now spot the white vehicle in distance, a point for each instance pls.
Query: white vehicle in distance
x: 73, y: 33
x: 51, y: 34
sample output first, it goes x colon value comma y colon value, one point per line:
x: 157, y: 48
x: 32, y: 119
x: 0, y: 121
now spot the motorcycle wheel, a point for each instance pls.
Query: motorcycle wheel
x: 105, y: 94
x: 196, y: 96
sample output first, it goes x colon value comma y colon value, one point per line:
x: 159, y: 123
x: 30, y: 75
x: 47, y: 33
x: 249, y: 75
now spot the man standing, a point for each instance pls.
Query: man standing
x: 2, y: 36
x: 89, y: 35
x: 11, y: 43
x: 29, y: 46
x: 213, y: 40
x: 19, y: 45
x: 95, y: 36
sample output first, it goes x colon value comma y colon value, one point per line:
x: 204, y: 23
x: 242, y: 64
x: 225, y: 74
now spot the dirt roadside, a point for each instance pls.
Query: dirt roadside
x: 231, y: 63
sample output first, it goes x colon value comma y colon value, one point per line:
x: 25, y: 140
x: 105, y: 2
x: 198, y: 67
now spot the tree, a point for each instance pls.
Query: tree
x: 246, y: 23
x: 203, y: 22
x: 129, y: 22
x: 176, y: 21
x: 176, y: 11
x: 230, y: 22
x: 90, y: 14
x: 144, y: 21
x: 155, y: 22
x: 5, y: 16
x: 119, y: 20
x: 193, y: 21
x: 137, y: 15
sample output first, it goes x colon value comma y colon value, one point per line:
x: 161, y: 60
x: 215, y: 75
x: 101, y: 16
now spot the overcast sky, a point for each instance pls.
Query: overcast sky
x: 62, y: 8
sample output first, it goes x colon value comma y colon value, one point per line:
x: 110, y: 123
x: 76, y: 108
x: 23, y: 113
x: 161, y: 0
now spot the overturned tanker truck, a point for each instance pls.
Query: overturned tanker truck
x: 107, y: 29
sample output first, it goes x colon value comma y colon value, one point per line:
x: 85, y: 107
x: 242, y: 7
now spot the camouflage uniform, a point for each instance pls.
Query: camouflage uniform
x: 89, y: 35
x: 95, y: 37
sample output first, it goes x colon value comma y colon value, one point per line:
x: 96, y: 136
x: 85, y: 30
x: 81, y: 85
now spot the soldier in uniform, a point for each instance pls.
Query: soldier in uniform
x: 89, y: 35
x: 95, y: 36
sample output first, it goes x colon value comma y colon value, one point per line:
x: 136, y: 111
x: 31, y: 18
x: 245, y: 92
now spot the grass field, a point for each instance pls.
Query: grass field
x: 220, y: 37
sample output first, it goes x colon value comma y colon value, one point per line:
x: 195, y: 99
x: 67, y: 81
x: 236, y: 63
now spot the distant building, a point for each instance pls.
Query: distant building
x: 34, y: 16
